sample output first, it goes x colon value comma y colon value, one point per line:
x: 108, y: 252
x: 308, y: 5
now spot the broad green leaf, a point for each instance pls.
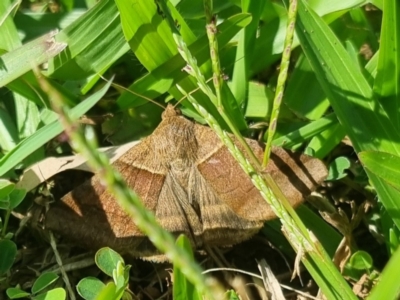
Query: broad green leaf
x: 16, y: 197
x: 46, y: 133
x: 109, y: 292
x: 107, y: 260
x: 8, y: 252
x: 43, y: 281
x: 6, y: 187
x: 183, y: 289
x: 55, y: 294
x: 384, y: 165
x: 16, y: 293
x: 89, y: 288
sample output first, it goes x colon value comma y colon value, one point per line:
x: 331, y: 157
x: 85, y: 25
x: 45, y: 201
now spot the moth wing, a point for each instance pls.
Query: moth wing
x: 90, y: 214
x: 221, y: 225
x: 296, y: 174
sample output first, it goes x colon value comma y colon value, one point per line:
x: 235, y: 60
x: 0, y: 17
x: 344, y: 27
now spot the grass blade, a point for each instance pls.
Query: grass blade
x: 351, y: 97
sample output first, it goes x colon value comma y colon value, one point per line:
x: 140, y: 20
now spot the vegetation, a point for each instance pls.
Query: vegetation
x: 325, y: 72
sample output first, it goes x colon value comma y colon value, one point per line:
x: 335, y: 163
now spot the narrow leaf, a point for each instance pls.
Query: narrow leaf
x: 46, y: 133
x: 21, y: 60
x: 43, y: 281
x: 383, y: 165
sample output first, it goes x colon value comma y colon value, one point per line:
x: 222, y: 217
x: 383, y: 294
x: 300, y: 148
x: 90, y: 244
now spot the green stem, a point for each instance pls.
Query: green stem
x: 5, y: 223
x: 292, y: 12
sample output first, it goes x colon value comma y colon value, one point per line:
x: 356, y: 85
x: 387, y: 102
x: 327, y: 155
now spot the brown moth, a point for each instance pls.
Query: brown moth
x: 186, y: 176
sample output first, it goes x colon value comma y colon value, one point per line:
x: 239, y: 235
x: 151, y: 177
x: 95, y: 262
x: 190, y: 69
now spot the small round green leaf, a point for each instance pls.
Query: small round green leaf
x: 89, y: 288
x: 232, y: 295
x: 55, y: 294
x: 361, y: 260
x: 43, y: 281
x: 107, y: 259
x: 16, y: 293
x: 109, y: 292
x: 6, y: 187
x: 16, y: 197
x: 338, y: 167
x: 8, y: 251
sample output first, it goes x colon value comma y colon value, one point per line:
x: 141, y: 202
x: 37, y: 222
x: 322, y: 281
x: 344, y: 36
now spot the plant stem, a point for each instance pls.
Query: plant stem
x: 5, y: 223
x: 292, y: 12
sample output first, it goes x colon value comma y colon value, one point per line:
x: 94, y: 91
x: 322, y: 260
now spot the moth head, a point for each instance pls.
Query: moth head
x: 170, y: 111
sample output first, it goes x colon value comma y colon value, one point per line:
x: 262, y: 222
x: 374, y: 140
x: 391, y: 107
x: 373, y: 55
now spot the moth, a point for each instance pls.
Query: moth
x: 187, y: 177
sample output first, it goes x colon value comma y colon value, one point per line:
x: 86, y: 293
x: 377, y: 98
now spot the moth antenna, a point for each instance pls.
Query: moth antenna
x: 191, y: 92
x: 116, y: 85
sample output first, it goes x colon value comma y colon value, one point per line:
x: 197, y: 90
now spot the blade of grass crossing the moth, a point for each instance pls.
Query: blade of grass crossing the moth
x: 193, y: 70
x: 165, y: 14
x: 297, y: 234
x: 143, y: 218
x: 214, y: 53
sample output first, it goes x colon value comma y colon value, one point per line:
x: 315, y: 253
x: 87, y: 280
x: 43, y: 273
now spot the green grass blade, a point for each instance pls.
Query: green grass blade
x: 362, y: 116
x: 183, y: 288
x: 21, y: 60
x: 160, y: 80
x: 8, y: 132
x: 145, y: 18
x: 10, y: 39
x: 344, y: 84
x: 387, y: 80
x: 247, y: 39
x: 46, y: 133
x: 91, y: 48
x: 383, y: 165
x: 388, y: 287
x: 292, y: 139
